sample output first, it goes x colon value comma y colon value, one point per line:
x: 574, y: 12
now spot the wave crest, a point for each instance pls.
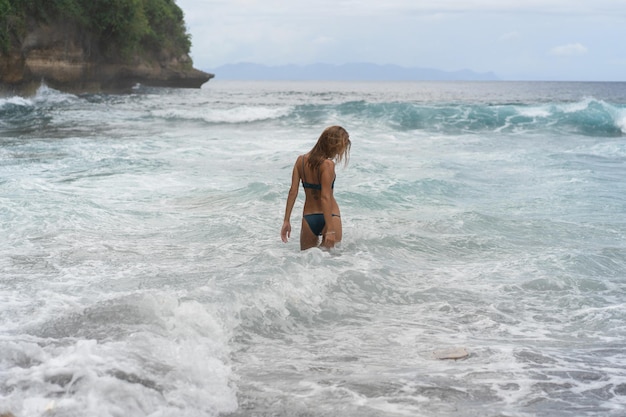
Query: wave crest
x: 588, y: 117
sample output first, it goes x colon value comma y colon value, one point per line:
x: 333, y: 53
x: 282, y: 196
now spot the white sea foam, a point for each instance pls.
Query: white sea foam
x: 620, y: 119
x: 234, y: 115
x: 535, y: 112
x: 49, y: 95
x: 182, y: 366
x: 16, y: 101
x: 577, y: 106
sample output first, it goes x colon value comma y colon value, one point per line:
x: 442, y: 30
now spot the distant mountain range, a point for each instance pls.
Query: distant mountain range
x: 345, y: 72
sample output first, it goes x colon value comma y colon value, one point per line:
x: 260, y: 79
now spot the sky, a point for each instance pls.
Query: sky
x: 568, y: 40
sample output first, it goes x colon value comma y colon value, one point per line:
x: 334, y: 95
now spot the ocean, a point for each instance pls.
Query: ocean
x: 142, y: 271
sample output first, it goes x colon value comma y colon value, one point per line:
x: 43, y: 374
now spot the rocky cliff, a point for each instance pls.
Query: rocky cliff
x: 67, y: 59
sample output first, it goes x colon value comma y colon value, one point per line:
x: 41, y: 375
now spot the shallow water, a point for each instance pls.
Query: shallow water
x: 142, y: 273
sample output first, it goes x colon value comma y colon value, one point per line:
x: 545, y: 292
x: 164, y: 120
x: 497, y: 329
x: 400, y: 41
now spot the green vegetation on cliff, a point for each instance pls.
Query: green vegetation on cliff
x: 118, y: 28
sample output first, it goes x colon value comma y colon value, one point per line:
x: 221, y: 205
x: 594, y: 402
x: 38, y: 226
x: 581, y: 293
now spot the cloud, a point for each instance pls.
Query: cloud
x: 510, y: 36
x: 536, y: 7
x: 323, y: 40
x: 571, y: 49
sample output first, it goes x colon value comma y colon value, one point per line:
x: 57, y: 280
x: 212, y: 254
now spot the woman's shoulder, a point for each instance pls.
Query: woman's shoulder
x: 327, y: 165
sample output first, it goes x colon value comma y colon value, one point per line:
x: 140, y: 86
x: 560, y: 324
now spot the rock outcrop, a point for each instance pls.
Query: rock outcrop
x: 67, y: 59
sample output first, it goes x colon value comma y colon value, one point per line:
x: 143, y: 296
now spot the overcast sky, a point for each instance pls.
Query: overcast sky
x: 516, y: 39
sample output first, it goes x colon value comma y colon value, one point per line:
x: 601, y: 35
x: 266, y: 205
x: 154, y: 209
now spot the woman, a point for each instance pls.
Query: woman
x: 316, y: 170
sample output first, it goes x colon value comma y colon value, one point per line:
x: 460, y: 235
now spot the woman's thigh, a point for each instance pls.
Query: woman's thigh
x: 308, y: 239
x: 336, y: 228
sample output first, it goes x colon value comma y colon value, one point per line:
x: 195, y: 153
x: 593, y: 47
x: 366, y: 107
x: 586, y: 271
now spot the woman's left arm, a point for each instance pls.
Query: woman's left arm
x: 285, y: 231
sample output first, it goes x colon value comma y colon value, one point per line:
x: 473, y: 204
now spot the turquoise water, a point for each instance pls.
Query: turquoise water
x: 142, y: 272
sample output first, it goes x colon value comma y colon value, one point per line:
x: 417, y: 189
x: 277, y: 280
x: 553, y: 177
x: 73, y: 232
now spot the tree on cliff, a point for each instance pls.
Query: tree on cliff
x: 120, y: 29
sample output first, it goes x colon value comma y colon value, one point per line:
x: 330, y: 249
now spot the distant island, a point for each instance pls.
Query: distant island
x: 87, y: 45
x: 345, y: 72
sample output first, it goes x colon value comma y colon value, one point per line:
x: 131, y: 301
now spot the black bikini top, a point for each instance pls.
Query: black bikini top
x: 310, y: 185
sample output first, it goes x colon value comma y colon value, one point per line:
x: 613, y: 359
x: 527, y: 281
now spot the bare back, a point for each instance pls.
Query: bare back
x: 316, y: 182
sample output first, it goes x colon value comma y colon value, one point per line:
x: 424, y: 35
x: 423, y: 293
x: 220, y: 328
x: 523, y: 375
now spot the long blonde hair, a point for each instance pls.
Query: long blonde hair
x: 333, y: 143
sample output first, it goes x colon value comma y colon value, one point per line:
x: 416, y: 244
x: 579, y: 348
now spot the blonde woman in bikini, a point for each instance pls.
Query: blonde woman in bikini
x: 316, y: 171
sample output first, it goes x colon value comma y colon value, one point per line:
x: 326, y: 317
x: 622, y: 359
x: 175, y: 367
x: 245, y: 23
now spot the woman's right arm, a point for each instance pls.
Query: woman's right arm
x: 285, y: 231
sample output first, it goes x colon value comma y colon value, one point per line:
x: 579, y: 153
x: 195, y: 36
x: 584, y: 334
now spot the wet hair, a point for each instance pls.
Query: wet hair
x: 334, y: 143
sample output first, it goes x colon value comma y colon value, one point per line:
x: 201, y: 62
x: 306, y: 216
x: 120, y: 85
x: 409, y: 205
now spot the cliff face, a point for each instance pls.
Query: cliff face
x: 67, y: 59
